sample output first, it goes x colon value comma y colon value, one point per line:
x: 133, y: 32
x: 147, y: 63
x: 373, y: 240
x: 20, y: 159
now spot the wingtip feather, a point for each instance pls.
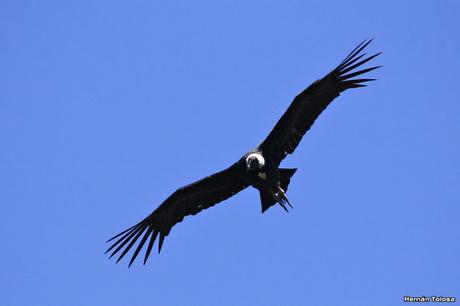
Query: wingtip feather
x: 150, y: 246
x: 141, y: 244
x: 119, y: 234
x: 356, y: 51
x: 160, y: 242
x: 353, y: 74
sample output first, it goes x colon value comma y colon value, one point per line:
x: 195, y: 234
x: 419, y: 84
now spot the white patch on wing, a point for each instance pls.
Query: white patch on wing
x: 262, y: 175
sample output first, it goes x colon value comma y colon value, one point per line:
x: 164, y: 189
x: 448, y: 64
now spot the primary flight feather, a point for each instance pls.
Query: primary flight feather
x: 258, y: 168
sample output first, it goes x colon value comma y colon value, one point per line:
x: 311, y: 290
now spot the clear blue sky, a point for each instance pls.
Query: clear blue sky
x: 106, y: 107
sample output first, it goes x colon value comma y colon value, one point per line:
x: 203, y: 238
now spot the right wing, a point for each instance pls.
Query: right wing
x: 188, y: 200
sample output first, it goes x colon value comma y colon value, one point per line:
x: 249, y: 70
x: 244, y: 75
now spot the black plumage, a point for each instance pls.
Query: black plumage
x: 258, y: 168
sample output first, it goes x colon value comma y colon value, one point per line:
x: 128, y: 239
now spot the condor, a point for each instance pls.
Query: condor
x: 259, y: 168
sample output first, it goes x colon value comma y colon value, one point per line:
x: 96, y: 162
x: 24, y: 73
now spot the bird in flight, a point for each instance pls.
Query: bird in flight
x: 259, y: 168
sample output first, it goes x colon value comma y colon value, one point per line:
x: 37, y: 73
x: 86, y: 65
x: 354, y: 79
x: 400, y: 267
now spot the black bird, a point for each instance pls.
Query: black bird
x: 258, y: 168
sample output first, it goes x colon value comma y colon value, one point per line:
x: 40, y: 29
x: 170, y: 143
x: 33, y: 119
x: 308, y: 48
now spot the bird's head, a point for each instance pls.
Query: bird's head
x: 254, y: 161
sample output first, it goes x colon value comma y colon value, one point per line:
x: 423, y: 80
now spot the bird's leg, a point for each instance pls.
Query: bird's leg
x: 282, y: 199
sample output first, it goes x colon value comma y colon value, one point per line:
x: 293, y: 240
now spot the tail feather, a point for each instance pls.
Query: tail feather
x: 285, y: 177
x: 266, y: 200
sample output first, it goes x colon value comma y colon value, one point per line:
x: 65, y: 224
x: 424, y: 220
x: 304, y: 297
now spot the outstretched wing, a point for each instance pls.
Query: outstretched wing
x: 188, y: 200
x: 309, y: 104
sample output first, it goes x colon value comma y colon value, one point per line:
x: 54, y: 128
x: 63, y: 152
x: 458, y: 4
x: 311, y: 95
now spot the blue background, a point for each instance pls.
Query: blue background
x: 106, y: 107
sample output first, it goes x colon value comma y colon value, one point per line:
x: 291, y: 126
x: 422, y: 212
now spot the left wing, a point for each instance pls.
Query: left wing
x: 309, y: 104
x: 188, y: 200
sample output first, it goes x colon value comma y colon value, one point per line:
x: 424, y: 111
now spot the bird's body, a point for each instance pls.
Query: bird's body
x: 259, y: 168
x: 266, y: 177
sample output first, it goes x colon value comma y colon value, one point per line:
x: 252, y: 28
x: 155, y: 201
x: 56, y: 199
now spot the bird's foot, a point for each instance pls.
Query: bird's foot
x: 282, y: 199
